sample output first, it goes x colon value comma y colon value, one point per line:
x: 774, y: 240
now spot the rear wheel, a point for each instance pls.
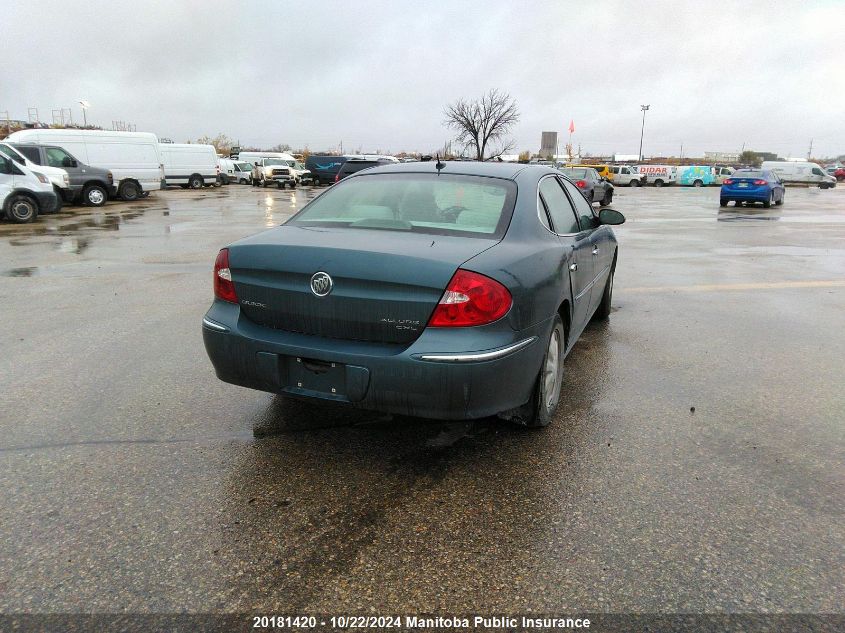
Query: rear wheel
x: 768, y: 203
x: 94, y: 195
x: 658, y: 183
x: 608, y: 198
x: 634, y: 183
x: 545, y: 396
x: 21, y: 209
x: 195, y: 182
x: 129, y: 191
x: 723, y: 202
x: 780, y: 200
x: 698, y: 183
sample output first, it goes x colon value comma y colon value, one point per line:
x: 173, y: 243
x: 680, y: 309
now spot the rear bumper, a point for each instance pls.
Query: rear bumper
x: 755, y: 195
x: 434, y: 377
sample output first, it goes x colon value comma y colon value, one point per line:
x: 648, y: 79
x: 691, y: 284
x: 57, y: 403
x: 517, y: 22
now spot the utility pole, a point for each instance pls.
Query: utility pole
x: 810, y: 153
x: 644, y: 108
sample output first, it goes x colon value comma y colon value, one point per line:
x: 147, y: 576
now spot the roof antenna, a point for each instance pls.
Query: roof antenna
x: 439, y: 164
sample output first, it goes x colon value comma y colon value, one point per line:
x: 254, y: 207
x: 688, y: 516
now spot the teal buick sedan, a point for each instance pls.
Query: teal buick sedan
x: 449, y: 290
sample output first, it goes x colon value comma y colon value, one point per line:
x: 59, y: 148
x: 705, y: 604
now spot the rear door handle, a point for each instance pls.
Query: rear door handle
x: 595, y: 250
x: 573, y: 267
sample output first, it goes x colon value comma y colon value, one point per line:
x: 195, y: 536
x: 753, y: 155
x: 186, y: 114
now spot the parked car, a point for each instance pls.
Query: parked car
x: 429, y: 290
x: 57, y: 176
x: 594, y: 187
x: 191, y: 165
x: 91, y: 186
x: 132, y: 157
x: 354, y: 165
x: 603, y: 170
x: 658, y: 175
x: 800, y: 173
x: 839, y: 174
x: 24, y: 193
x: 627, y: 175
x: 752, y: 185
x: 324, y: 168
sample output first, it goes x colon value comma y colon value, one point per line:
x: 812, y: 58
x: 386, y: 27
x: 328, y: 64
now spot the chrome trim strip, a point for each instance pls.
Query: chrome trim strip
x: 212, y: 325
x: 475, y: 357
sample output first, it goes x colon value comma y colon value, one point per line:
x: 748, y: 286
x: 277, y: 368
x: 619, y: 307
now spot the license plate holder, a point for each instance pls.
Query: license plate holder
x: 326, y: 379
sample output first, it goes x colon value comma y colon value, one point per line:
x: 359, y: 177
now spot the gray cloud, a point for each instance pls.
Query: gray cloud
x: 377, y: 74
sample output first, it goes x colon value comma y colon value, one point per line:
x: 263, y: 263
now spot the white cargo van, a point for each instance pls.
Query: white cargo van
x: 800, y: 173
x: 132, y: 157
x: 658, y: 175
x: 189, y: 164
x: 23, y: 192
x: 626, y: 175
x: 234, y: 171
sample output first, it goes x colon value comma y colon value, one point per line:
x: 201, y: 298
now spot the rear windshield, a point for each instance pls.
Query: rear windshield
x: 575, y: 173
x: 472, y: 206
x: 748, y: 174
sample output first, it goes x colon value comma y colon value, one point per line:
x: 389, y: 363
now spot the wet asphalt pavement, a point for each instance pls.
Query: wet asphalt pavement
x: 695, y: 464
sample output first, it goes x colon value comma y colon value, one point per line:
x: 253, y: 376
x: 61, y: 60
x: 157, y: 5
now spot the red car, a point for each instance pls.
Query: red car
x: 839, y: 174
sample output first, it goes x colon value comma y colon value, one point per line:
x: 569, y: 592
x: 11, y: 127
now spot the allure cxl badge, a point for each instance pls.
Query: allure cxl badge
x: 321, y: 284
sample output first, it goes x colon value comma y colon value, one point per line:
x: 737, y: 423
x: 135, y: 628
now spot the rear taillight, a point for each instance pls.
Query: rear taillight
x: 337, y: 177
x: 471, y: 299
x: 223, y: 286
x: 760, y: 182
x: 580, y: 184
x: 728, y: 181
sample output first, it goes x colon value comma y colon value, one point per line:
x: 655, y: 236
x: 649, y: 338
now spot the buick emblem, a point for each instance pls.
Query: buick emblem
x: 321, y: 284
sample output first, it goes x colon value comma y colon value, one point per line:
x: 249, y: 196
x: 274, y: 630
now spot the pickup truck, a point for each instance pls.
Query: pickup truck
x: 273, y: 170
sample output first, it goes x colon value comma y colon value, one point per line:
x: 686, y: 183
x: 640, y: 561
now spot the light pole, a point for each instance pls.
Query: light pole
x: 643, y: 108
x: 85, y: 105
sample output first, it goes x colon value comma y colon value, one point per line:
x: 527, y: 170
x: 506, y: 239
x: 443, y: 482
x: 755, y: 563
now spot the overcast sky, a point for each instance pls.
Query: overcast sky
x: 374, y: 74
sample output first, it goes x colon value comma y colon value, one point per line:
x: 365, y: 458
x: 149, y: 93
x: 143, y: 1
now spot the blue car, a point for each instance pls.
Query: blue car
x: 752, y: 185
x: 441, y: 290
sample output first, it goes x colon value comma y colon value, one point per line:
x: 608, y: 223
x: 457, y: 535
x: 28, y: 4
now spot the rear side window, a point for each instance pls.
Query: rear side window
x: 31, y: 153
x: 558, y: 205
x: 471, y: 206
x: 582, y: 207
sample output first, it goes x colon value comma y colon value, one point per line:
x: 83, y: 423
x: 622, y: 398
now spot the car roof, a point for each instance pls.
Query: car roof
x: 464, y: 168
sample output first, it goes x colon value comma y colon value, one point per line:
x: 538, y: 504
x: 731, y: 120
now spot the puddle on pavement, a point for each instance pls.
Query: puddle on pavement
x: 742, y: 214
x: 27, y: 271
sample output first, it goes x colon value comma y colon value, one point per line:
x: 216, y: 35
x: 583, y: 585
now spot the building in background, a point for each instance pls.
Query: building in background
x: 548, y: 144
x: 721, y: 157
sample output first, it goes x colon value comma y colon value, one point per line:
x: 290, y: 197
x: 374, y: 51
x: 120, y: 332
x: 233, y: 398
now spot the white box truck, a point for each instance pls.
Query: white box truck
x: 191, y: 165
x: 132, y: 157
x: 800, y: 173
x: 658, y: 175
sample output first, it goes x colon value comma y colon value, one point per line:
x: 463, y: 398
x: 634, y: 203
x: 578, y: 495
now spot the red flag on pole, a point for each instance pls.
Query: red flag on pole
x: 571, y: 126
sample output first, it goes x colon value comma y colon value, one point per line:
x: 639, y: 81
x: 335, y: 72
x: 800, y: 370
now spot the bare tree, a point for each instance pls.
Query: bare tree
x: 222, y: 143
x: 483, y: 123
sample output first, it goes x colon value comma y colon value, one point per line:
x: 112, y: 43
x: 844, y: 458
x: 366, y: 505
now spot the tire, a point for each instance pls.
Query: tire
x: 21, y: 209
x: 658, y: 183
x: 634, y: 183
x: 94, y: 196
x: 292, y: 185
x: 264, y: 182
x: 224, y: 179
x: 698, y: 183
x: 195, y: 182
x: 129, y: 191
x: 280, y: 185
x: 768, y: 203
x: 545, y: 396
x: 608, y: 198
x: 602, y: 313
x: 780, y: 202
x: 723, y: 202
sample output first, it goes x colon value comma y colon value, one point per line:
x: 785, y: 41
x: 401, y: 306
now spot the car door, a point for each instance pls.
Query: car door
x: 576, y: 258
x: 597, y: 245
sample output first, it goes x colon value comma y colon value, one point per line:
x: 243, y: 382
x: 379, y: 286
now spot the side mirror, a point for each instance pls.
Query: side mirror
x: 67, y: 161
x: 611, y: 216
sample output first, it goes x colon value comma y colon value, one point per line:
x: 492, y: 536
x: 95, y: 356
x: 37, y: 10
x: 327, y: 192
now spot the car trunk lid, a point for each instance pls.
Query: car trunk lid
x: 385, y: 284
